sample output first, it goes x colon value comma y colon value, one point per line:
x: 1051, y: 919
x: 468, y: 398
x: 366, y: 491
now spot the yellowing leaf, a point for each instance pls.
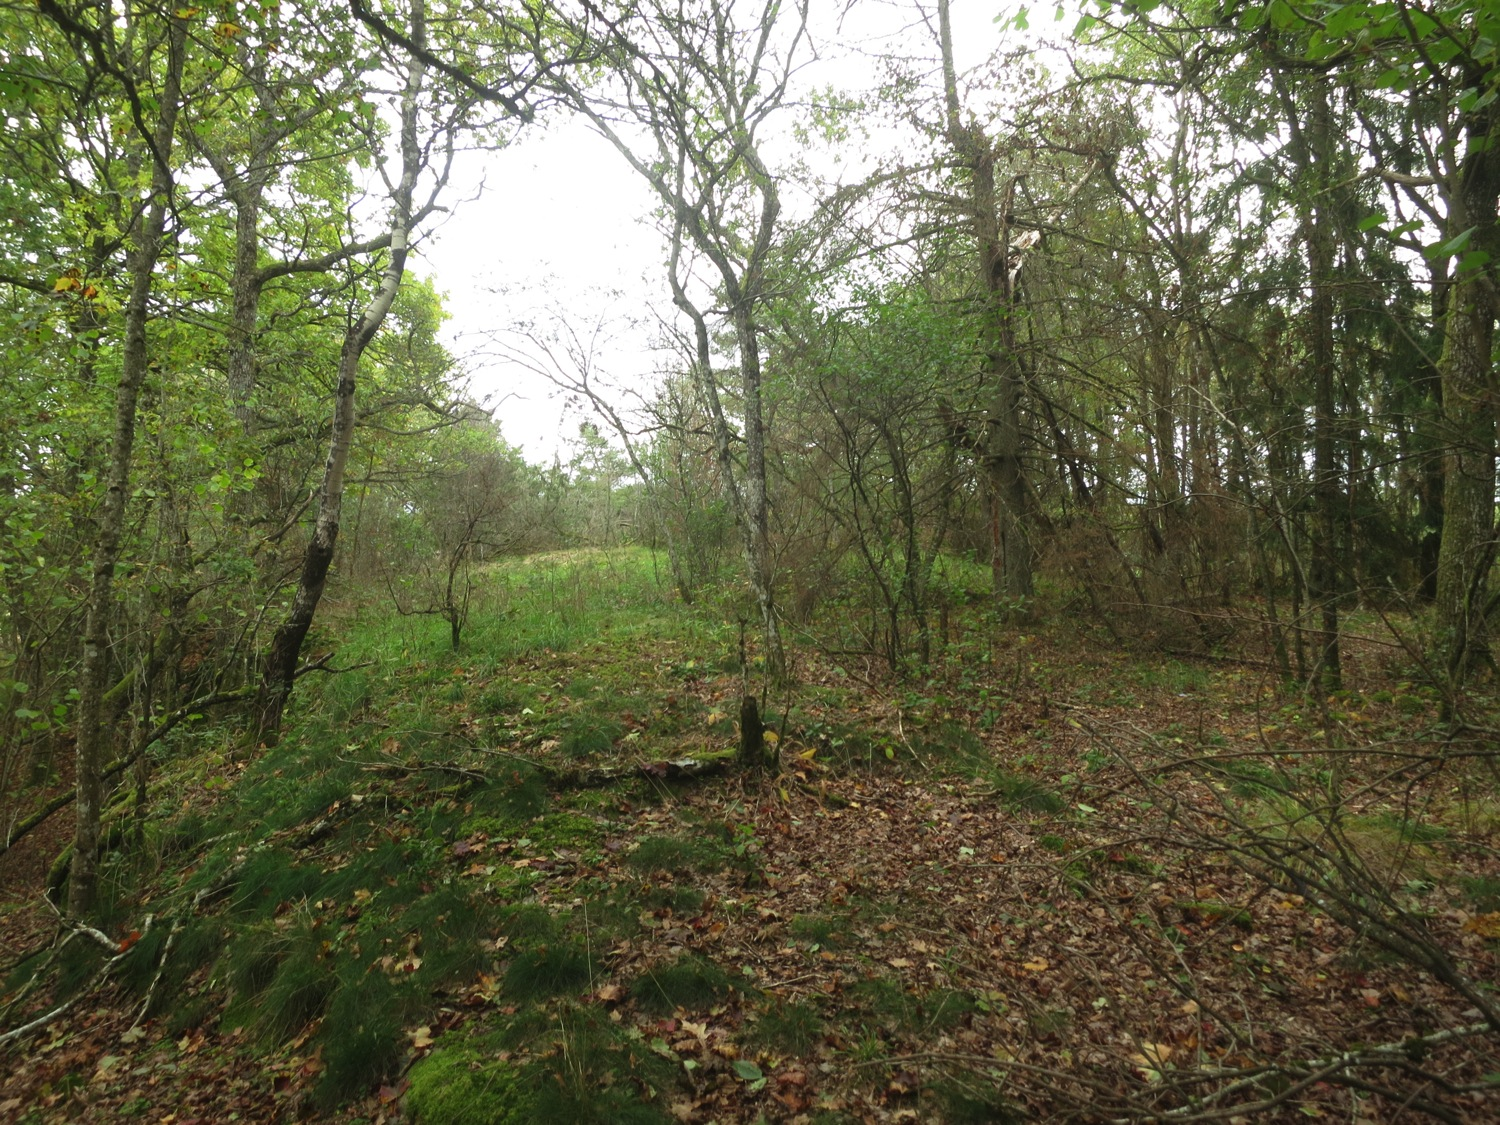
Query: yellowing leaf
x: 64, y: 284
x: 187, y: 13
x: 227, y: 30
x: 1040, y: 965
x: 1485, y: 925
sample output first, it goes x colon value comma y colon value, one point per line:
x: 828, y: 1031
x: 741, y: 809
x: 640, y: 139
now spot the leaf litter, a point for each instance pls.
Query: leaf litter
x: 1040, y: 927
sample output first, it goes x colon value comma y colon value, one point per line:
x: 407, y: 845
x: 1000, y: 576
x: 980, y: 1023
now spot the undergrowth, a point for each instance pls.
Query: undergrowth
x: 419, y: 878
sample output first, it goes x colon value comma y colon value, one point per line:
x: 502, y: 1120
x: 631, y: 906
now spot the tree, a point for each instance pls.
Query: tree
x: 1000, y: 258
x: 156, y: 48
x: 701, y: 87
x: 405, y: 213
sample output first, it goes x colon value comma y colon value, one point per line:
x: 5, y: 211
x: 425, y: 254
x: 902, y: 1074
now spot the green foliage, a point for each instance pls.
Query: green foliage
x: 518, y: 793
x: 587, y: 735
x: 972, y: 1101
x: 882, y: 1002
x: 1483, y: 891
x: 595, y: 1071
x: 564, y: 966
x: 677, y: 854
x: 1025, y: 794
x: 363, y: 1035
x: 818, y: 930
x: 682, y: 900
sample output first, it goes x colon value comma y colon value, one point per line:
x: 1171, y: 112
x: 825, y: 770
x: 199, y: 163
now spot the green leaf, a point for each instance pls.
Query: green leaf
x: 748, y: 1071
x: 1454, y: 245
x: 1473, y: 260
x: 1371, y: 222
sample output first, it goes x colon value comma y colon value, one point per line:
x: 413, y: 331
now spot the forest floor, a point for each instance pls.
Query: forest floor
x: 1048, y: 880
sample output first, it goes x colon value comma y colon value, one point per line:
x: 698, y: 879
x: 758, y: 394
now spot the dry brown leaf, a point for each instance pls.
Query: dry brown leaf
x: 1485, y: 925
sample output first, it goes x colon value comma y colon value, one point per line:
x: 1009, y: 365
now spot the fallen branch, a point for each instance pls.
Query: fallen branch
x: 98, y: 938
x: 680, y: 769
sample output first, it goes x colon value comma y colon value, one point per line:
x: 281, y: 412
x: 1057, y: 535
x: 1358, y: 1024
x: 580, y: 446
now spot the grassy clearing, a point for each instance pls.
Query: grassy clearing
x: 1035, y: 859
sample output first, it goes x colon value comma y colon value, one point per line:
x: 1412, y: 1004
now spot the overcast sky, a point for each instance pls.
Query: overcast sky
x: 562, y: 219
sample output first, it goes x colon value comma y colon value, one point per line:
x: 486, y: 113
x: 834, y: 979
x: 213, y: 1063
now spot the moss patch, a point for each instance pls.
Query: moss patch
x: 455, y: 1086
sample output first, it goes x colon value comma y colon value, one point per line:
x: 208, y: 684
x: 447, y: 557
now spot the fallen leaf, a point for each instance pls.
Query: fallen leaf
x: 1040, y: 965
x: 1485, y: 925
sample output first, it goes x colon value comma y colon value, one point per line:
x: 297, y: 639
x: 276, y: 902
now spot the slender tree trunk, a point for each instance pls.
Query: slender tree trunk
x: 1324, y: 573
x: 91, y: 737
x: 286, y: 646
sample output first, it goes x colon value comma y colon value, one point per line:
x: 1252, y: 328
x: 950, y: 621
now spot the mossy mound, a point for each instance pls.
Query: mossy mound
x: 456, y: 1086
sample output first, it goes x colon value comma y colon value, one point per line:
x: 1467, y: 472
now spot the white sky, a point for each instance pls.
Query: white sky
x: 562, y: 219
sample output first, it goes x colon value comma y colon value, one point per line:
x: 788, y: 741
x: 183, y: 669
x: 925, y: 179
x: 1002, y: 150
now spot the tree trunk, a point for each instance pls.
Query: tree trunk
x: 286, y: 646
x: 1467, y: 373
x: 1326, y: 523
x: 91, y: 737
x: 1012, y: 560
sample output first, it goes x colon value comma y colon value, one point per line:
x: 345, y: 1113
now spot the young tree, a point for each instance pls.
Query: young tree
x: 415, y: 151
x: 700, y: 86
x: 154, y: 53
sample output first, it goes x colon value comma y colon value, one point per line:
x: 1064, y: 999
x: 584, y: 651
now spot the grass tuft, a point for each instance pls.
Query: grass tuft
x: 690, y: 983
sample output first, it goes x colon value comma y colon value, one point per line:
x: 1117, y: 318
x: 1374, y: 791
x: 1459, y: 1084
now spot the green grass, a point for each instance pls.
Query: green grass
x: 690, y: 983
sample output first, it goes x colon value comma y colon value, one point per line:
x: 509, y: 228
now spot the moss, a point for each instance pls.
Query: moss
x: 676, y: 853
x: 453, y: 1086
x: 563, y: 830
